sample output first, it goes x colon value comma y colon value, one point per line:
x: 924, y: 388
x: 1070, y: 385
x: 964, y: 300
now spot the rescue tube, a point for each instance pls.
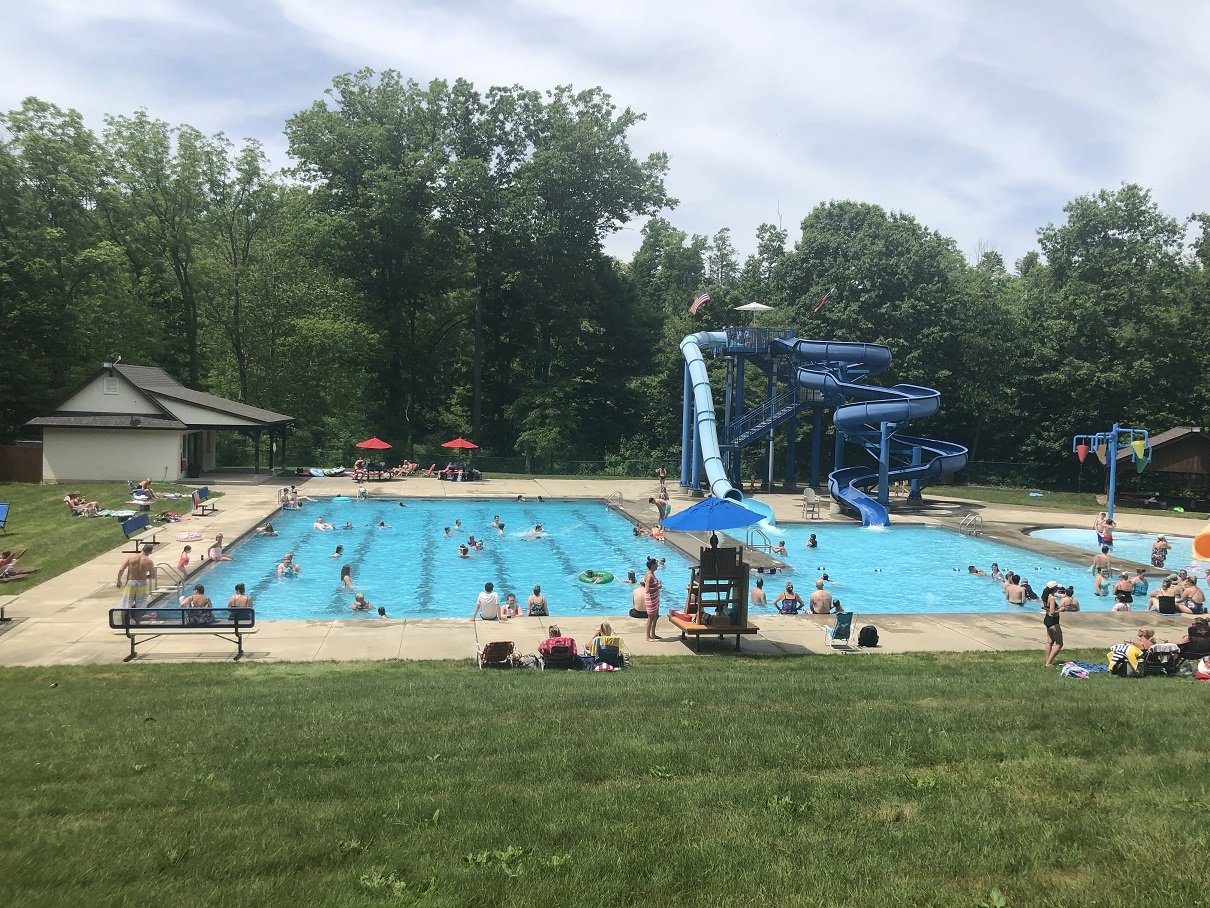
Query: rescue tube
x: 1201, y: 546
x: 596, y: 577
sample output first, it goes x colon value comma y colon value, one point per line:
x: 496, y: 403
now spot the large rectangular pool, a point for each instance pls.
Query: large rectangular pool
x: 415, y: 571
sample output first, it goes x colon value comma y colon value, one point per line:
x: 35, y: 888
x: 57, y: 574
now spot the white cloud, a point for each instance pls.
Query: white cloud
x: 982, y: 120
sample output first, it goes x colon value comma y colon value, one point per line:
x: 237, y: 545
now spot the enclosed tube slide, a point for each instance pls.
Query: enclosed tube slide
x: 703, y: 411
x: 862, y: 421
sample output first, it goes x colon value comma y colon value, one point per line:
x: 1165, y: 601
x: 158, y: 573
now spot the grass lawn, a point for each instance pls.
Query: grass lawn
x: 59, y: 541
x: 1067, y: 501
x: 866, y: 780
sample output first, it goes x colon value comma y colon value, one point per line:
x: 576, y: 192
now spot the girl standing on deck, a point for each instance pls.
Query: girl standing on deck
x: 1054, y: 633
x: 651, y: 586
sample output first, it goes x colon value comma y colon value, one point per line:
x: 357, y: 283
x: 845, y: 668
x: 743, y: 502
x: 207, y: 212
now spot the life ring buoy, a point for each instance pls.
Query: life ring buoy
x: 596, y: 577
x: 192, y: 536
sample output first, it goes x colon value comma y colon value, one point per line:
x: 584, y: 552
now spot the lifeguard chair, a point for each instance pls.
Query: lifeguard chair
x: 716, y: 601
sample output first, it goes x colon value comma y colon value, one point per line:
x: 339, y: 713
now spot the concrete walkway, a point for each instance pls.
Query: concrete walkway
x: 63, y: 621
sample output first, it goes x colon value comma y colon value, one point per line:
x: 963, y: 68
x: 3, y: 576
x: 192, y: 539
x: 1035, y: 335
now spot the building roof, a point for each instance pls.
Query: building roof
x: 1158, y: 441
x: 159, y: 384
x: 104, y: 421
x: 161, y: 390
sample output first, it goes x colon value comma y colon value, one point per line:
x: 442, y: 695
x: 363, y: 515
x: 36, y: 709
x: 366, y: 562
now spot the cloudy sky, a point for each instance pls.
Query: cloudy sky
x: 980, y: 118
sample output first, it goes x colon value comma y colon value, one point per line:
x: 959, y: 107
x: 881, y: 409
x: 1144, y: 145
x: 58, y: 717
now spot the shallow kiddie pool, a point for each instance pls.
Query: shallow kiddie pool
x: 1133, y: 546
x: 413, y: 570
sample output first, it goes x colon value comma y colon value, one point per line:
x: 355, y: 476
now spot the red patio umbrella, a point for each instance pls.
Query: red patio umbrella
x: 460, y: 443
x: 375, y: 443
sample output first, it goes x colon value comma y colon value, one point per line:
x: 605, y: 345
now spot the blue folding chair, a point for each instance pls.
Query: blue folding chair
x: 3, y: 516
x: 841, y: 631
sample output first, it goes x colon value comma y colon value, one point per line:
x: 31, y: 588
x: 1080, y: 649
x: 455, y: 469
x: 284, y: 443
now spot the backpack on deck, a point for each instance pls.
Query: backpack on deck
x: 867, y: 636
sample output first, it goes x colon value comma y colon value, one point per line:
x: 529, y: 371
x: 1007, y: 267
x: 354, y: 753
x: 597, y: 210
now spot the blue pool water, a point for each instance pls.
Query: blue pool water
x: 1134, y: 546
x: 916, y: 569
x: 414, y: 571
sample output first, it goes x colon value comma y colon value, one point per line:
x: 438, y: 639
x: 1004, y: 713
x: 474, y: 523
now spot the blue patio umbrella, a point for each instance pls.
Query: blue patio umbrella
x: 712, y: 514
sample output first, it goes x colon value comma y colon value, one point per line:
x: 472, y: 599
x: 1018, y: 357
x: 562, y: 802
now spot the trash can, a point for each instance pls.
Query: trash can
x: 194, y: 471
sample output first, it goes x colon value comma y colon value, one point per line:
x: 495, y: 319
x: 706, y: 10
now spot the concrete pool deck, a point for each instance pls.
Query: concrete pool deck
x: 64, y: 621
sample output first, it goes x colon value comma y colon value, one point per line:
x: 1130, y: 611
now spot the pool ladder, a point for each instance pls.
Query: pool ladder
x: 971, y: 524
x: 610, y: 500
x: 175, y: 577
x: 765, y: 545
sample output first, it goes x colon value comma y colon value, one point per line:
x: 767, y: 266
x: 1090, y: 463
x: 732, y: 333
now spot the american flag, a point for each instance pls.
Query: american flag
x: 826, y: 297
x: 699, y: 301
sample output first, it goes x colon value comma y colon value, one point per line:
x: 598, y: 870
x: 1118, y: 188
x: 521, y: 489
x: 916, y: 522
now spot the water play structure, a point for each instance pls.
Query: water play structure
x: 807, y: 376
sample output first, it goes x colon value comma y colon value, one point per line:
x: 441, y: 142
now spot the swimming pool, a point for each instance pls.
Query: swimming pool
x: 907, y: 569
x: 1135, y: 546
x: 414, y: 571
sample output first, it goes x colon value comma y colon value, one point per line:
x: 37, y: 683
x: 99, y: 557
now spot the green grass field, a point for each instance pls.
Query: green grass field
x: 59, y: 541
x: 863, y: 780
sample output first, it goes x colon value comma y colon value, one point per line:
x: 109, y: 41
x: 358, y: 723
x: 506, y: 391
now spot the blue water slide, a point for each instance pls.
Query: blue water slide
x: 703, y: 411
x: 821, y: 365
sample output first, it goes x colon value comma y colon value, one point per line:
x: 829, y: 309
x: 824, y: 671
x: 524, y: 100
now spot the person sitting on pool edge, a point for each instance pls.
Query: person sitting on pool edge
x: 790, y: 603
x: 536, y: 606
x: 821, y: 599
x: 487, y: 606
x: 1192, y: 598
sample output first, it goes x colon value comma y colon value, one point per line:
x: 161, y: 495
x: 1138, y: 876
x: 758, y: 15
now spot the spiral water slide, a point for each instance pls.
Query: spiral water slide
x: 820, y: 365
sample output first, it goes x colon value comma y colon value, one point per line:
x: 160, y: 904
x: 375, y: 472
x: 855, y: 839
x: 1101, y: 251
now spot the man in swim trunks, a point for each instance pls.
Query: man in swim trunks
x: 1013, y: 591
x: 821, y: 599
x: 1100, y: 559
x: 757, y: 596
x: 133, y: 577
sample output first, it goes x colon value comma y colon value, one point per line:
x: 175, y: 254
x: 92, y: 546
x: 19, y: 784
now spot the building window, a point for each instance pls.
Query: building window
x: 110, y: 385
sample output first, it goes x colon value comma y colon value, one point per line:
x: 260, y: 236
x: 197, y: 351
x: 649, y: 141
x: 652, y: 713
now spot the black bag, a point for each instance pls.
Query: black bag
x: 867, y: 636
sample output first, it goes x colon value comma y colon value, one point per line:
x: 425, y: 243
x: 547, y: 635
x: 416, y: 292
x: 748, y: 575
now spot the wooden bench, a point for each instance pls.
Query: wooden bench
x: 200, y: 506
x: 143, y: 624
x: 689, y: 626
x: 132, y: 526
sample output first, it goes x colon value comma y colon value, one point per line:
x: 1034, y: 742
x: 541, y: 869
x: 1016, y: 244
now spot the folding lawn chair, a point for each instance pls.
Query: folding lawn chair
x: 1162, y: 659
x: 497, y: 654
x: 841, y: 631
x: 561, y: 656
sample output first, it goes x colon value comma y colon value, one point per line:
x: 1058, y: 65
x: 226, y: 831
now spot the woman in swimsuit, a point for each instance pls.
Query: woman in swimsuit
x: 651, y: 586
x: 1054, y: 633
x: 1164, y: 600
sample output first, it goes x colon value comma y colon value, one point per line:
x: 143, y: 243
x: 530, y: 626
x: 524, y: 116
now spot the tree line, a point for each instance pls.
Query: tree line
x: 432, y: 265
